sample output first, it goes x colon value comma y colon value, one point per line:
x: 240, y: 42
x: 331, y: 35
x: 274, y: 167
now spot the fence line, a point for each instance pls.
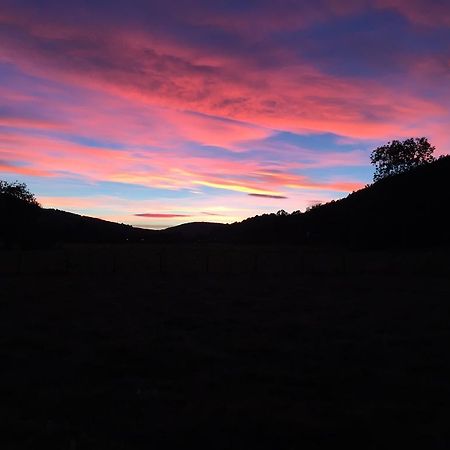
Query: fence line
x: 226, y: 261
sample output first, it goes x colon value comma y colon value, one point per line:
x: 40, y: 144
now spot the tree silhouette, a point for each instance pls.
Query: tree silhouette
x: 19, y: 191
x: 19, y: 211
x: 399, y: 156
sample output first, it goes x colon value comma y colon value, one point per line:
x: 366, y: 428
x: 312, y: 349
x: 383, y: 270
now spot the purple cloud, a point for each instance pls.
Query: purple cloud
x: 268, y: 196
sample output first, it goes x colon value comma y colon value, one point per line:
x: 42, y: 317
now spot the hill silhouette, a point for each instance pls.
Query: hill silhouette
x: 404, y: 210
x: 407, y: 210
x: 196, y: 231
x: 31, y: 226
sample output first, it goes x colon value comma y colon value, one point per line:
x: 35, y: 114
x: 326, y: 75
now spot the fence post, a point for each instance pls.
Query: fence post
x: 19, y: 263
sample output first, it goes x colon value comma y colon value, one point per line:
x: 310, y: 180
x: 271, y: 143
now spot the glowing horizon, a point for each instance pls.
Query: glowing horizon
x: 155, y: 115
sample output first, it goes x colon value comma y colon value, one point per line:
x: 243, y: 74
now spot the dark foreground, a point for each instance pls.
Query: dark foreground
x: 224, y: 361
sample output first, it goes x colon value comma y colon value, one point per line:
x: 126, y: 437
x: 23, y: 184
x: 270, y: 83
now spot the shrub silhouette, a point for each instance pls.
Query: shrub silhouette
x: 397, y: 157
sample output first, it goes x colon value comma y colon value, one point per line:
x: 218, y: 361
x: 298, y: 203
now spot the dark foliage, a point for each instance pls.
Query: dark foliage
x: 19, y: 211
x: 397, y: 157
x: 19, y: 191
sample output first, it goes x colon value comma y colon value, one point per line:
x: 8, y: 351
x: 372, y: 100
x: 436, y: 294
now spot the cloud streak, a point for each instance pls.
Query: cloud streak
x: 280, y: 197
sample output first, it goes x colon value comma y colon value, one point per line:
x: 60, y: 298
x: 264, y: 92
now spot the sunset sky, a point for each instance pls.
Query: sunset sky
x: 155, y: 113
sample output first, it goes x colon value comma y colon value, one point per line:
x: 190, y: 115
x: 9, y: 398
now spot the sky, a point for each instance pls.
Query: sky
x: 157, y: 113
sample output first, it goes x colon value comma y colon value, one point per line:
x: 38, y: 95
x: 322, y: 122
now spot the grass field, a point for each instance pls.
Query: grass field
x: 224, y: 361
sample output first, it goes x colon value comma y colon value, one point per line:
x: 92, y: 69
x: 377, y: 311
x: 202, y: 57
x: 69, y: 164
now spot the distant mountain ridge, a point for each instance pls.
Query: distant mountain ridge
x: 405, y: 210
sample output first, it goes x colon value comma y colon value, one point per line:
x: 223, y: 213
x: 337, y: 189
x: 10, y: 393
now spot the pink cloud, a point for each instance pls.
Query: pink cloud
x: 297, y: 97
x: 171, y: 168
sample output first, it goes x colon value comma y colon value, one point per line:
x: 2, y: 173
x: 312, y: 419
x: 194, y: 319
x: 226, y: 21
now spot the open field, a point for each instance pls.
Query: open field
x: 265, y: 360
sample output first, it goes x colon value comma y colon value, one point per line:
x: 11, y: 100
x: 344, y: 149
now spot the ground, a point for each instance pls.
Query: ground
x: 224, y: 361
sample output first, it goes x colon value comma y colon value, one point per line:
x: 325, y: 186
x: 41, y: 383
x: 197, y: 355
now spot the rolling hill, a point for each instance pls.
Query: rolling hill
x: 31, y: 226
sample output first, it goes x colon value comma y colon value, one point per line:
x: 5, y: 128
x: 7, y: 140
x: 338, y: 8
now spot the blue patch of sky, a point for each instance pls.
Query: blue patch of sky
x: 207, y: 36
x: 319, y: 142
x: 37, y: 185
x: 139, y: 192
x: 39, y: 88
x: 11, y: 177
x: 10, y: 74
x: 308, y: 145
x: 363, y: 174
x: 91, y: 142
x: 75, y: 187
x: 368, y: 45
